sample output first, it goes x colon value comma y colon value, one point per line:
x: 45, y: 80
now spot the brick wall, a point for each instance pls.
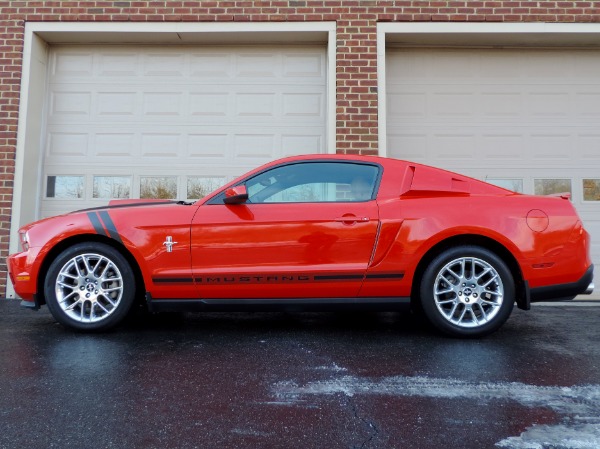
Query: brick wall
x: 356, y: 99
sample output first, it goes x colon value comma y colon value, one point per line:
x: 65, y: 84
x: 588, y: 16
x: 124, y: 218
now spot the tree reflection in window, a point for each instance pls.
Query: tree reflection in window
x: 198, y: 186
x: 551, y: 186
x: 591, y: 189
x: 65, y: 187
x: 112, y: 187
x: 514, y: 184
x: 157, y: 187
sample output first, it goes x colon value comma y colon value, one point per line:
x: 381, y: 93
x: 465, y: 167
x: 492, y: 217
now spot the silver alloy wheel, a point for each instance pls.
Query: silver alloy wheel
x: 89, y: 288
x: 468, y: 292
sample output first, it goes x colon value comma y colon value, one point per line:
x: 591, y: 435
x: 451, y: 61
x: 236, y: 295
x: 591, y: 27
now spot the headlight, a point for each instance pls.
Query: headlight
x: 24, y: 238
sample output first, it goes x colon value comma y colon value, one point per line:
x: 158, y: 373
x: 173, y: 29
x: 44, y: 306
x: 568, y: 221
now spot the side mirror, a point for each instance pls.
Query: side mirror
x: 236, y: 195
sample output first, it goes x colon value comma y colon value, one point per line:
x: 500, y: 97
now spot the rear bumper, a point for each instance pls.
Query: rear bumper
x: 558, y: 292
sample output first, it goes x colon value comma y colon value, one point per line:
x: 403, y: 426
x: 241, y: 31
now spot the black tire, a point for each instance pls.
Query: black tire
x: 90, y: 287
x: 467, y: 291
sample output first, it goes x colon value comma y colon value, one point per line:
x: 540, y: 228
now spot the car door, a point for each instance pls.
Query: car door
x: 306, y: 230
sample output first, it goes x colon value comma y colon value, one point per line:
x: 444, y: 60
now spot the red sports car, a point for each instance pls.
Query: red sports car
x: 313, y: 232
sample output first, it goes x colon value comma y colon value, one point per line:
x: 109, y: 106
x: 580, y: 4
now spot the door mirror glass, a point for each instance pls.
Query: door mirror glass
x: 236, y: 195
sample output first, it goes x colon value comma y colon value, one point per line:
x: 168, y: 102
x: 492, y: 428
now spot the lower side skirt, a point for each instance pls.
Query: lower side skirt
x: 287, y: 305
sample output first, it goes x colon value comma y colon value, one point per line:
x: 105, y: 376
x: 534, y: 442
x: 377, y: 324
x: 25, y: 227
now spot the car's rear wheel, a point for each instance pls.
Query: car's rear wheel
x: 467, y: 291
x: 89, y: 286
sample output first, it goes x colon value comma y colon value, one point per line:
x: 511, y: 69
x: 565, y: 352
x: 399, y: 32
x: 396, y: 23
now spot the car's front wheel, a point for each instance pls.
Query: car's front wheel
x: 89, y: 286
x: 467, y: 291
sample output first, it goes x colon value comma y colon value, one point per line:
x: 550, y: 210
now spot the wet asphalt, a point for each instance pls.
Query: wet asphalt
x: 300, y: 380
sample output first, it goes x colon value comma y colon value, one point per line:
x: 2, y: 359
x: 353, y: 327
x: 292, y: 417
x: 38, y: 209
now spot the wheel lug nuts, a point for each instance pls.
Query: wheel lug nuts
x: 87, y: 295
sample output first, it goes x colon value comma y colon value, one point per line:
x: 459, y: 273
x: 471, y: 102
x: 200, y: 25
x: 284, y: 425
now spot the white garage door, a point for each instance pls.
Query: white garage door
x: 174, y: 122
x: 528, y: 120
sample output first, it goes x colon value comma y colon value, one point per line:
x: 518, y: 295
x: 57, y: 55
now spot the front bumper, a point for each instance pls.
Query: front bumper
x: 23, y: 269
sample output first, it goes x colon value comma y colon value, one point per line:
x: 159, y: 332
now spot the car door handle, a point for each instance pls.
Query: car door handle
x: 350, y: 218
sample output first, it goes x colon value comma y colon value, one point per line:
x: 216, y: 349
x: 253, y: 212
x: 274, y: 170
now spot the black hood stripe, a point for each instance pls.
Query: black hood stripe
x: 102, y: 223
x: 96, y: 224
x: 121, y: 206
x: 110, y: 226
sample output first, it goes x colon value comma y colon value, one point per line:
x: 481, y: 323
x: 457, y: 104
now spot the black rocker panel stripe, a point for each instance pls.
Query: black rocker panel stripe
x: 386, y: 276
x: 343, y: 277
x: 233, y: 279
x: 173, y: 280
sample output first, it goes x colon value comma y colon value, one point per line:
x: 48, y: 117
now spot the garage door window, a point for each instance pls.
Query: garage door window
x: 198, y: 187
x: 516, y: 185
x: 65, y: 187
x: 157, y: 187
x: 591, y: 189
x: 551, y: 186
x: 112, y: 187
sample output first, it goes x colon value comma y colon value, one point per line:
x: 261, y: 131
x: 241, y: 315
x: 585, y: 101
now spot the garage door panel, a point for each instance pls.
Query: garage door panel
x: 70, y: 105
x: 503, y: 104
x: 293, y: 144
x: 258, y: 105
x: 587, y: 146
x: 62, y: 144
x: 542, y: 146
x: 73, y: 64
x: 514, y: 116
x: 203, y: 113
x: 114, y: 145
x: 534, y: 107
x: 177, y: 144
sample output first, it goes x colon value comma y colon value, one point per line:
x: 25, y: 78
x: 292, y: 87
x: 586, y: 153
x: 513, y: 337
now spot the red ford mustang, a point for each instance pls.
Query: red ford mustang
x: 313, y: 232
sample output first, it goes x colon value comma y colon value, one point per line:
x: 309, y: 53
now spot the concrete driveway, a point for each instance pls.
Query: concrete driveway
x: 300, y: 380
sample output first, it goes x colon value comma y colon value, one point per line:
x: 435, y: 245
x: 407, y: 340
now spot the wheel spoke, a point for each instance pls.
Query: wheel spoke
x: 88, y: 268
x: 106, y: 266
x: 490, y: 280
x: 108, y: 299
x: 448, y: 281
x: 462, y: 315
x: 483, y: 312
x: 102, y: 307
x: 62, y: 284
x: 486, y: 271
x: 66, y: 298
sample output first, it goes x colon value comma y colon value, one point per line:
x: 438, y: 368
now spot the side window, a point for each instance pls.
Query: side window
x: 314, y: 182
